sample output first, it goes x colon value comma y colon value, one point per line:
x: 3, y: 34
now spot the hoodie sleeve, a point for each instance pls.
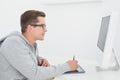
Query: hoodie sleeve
x: 17, y: 54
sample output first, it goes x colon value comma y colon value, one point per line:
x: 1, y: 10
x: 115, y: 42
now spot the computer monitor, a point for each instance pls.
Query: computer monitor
x: 109, y: 42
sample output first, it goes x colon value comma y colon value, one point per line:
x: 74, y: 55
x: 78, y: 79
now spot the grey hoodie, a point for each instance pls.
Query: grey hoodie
x: 19, y: 60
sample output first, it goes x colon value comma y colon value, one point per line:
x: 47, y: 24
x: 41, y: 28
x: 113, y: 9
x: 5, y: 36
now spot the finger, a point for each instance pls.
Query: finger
x: 46, y: 64
x: 40, y: 61
x: 76, y: 61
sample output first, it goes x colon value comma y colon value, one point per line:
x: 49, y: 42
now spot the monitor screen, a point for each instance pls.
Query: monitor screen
x: 103, y: 32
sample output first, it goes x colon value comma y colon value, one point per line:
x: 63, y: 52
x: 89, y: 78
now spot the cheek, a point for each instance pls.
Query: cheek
x: 39, y: 33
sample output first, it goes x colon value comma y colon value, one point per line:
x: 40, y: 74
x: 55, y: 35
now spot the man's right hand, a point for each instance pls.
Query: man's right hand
x: 73, y: 64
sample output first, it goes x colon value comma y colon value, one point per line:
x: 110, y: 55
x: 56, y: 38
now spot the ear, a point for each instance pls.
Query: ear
x: 29, y: 28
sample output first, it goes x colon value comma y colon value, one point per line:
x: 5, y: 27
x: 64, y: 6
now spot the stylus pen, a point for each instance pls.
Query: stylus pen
x: 73, y: 57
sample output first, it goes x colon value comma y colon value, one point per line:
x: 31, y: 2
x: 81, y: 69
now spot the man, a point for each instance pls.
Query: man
x: 19, y: 58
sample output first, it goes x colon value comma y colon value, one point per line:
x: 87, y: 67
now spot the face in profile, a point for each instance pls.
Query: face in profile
x: 39, y: 29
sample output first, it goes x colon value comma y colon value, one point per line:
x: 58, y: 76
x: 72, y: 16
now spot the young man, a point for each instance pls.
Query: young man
x: 19, y: 58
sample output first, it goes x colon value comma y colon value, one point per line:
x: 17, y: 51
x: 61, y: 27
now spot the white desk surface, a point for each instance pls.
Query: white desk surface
x: 90, y: 74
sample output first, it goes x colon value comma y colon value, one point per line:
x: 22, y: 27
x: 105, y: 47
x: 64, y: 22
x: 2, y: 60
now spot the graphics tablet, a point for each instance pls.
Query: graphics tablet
x: 79, y: 70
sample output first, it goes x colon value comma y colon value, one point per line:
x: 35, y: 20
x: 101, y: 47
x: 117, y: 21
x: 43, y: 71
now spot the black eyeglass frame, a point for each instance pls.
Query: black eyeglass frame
x: 39, y: 25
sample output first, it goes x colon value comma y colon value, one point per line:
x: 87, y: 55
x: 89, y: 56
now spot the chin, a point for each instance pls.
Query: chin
x: 41, y: 39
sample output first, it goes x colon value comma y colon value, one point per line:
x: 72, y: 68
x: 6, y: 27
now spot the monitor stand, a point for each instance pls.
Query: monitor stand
x: 116, y: 66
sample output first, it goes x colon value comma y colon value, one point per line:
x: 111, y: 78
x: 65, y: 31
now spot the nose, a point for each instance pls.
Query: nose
x: 45, y: 30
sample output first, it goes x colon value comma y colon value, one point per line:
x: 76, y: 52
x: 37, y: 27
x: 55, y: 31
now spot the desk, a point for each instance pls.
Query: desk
x: 89, y: 67
x: 91, y: 74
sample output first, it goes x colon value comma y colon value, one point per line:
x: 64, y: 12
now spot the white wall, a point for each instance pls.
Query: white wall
x: 112, y: 5
x: 72, y: 28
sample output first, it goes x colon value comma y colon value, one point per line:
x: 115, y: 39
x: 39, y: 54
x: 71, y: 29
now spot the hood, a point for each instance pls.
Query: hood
x: 15, y: 33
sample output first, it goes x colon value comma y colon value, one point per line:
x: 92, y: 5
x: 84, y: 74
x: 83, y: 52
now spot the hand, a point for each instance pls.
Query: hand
x: 73, y: 64
x: 43, y: 62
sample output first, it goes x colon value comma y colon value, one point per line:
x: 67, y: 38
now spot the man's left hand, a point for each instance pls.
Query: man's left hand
x: 43, y: 62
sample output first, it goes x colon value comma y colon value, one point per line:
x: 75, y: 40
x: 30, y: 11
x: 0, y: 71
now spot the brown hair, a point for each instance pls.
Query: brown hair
x: 30, y: 17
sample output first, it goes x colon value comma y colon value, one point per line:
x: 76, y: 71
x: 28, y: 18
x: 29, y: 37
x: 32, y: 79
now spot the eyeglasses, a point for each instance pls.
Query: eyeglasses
x: 39, y: 25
